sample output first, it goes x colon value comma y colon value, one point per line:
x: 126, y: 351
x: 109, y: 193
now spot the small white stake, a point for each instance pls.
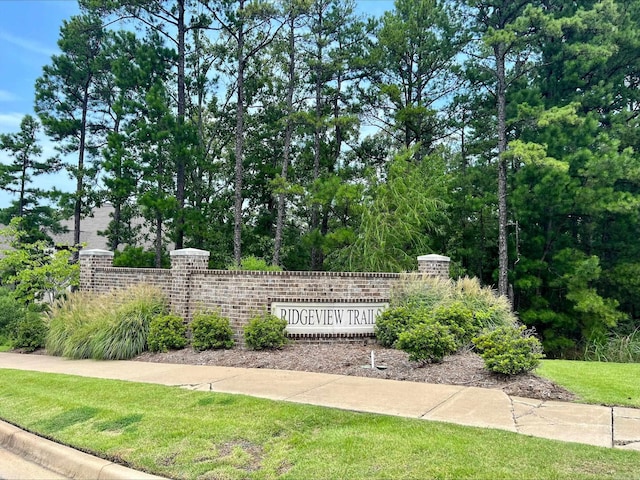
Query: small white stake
x: 373, y: 360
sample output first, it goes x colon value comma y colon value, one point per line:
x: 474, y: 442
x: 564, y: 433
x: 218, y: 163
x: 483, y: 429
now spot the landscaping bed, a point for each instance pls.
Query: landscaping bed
x: 464, y: 368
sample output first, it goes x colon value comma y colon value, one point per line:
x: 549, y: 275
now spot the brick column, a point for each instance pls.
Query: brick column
x: 434, y: 265
x: 90, y: 261
x: 183, y: 263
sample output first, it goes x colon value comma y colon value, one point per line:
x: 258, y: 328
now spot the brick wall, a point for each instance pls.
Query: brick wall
x: 238, y: 295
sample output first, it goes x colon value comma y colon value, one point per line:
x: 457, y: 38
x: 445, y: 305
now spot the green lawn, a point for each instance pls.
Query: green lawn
x: 603, y: 383
x: 185, y: 434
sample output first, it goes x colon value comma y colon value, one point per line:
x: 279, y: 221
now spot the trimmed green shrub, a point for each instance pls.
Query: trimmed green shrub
x: 427, y: 342
x: 459, y: 319
x: 265, y: 331
x: 30, y: 333
x: 391, y: 323
x: 167, y: 332
x: 509, y: 350
x: 210, y: 331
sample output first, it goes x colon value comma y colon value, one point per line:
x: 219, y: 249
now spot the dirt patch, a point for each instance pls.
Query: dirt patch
x: 464, y: 368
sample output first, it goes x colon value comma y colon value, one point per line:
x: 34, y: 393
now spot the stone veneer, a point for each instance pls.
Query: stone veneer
x: 238, y: 295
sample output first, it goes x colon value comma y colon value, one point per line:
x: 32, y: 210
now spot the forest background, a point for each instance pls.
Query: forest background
x: 501, y: 133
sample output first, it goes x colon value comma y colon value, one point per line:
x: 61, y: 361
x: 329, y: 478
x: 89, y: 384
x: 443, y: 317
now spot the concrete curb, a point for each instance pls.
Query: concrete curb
x: 64, y: 460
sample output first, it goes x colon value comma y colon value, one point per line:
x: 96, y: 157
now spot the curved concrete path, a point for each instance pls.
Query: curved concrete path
x: 615, y: 427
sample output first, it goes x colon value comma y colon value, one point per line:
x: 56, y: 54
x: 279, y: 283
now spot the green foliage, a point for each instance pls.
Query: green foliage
x: 399, y: 215
x: 459, y: 319
x: 29, y: 332
x: 265, y: 331
x: 11, y: 311
x: 489, y: 309
x: 137, y: 257
x: 255, y: 264
x: 427, y: 342
x: 113, y: 326
x: 211, y: 331
x: 615, y: 348
x: 391, y: 323
x: 37, y: 272
x: 509, y: 350
x: 463, y: 305
x: 167, y: 332
x: 417, y: 291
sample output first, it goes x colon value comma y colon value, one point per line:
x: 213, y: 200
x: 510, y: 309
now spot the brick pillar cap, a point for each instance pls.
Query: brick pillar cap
x: 189, y: 252
x: 433, y: 258
x: 95, y: 252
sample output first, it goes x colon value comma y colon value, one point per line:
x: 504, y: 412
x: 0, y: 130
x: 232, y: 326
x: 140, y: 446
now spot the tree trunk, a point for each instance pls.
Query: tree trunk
x: 501, y: 93
x: 180, y: 158
x: 287, y: 143
x: 237, y: 230
x: 77, y: 210
x: 316, y: 253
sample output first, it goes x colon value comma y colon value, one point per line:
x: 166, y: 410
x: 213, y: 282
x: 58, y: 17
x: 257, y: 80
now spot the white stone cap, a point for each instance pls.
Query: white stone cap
x: 189, y: 252
x: 433, y: 258
x: 95, y: 252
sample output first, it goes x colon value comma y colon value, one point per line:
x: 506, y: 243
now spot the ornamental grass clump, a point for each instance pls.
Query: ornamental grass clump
x: 112, y: 326
x: 615, y: 348
x: 67, y: 316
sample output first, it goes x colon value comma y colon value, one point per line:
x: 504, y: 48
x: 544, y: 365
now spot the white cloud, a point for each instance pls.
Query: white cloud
x: 6, y: 96
x: 26, y: 44
x: 10, y: 122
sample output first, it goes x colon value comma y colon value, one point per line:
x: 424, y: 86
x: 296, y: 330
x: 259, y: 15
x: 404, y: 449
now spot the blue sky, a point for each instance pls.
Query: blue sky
x: 29, y: 30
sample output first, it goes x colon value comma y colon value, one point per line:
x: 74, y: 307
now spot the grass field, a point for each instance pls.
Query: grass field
x: 186, y: 434
x: 603, y: 383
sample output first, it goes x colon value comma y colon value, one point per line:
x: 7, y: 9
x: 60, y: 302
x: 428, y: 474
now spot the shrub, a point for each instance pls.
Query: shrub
x: 210, y: 331
x: 30, y: 333
x: 167, y: 332
x: 509, y: 350
x: 11, y: 312
x: 459, y: 319
x: 391, y: 323
x: 427, y: 342
x: 265, y: 331
x: 137, y: 257
x: 254, y: 264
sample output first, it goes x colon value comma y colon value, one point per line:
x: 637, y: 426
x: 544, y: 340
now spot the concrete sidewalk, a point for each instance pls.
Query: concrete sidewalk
x: 615, y: 427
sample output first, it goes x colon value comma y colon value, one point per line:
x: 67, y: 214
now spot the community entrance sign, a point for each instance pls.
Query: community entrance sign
x: 328, y: 318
